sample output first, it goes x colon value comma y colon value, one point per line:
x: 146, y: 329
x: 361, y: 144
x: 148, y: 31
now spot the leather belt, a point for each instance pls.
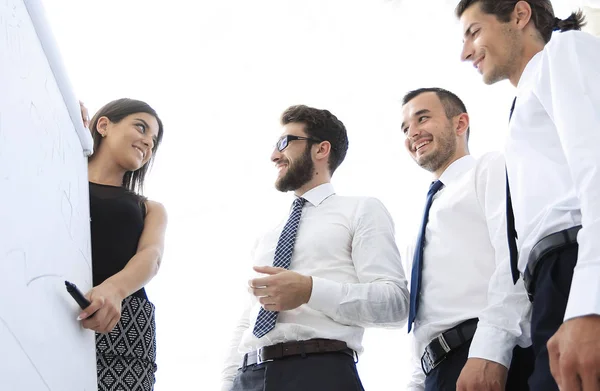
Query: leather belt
x: 542, y: 248
x: 295, y: 348
x: 441, y: 346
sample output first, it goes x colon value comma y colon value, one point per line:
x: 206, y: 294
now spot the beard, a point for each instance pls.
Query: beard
x: 501, y: 72
x: 513, y: 49
x: 446, y: 148
x: 298, y: 174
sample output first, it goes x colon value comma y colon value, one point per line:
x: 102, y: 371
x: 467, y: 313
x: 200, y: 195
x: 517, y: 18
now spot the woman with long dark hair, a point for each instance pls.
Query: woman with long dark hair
x: 127, y: 244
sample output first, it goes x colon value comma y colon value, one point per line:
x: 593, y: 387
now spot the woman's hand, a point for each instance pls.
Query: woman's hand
x: 104, y: 311
x: 85, y: 116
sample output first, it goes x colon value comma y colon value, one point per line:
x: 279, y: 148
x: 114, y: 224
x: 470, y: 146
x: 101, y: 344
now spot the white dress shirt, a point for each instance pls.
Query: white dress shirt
x: 347, y: 245
x: 466, y: 271
x: 553, y: 157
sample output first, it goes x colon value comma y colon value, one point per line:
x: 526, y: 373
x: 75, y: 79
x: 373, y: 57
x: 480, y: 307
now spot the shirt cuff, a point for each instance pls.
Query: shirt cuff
x: 326, y: 295
x: 493, y: 344
x: 584, y: 298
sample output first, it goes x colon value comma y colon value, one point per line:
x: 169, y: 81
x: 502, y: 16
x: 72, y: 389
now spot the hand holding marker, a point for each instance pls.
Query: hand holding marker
x: 77, y: 295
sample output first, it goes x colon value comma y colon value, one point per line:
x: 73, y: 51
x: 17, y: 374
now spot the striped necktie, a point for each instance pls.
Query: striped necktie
x: 266, y: 320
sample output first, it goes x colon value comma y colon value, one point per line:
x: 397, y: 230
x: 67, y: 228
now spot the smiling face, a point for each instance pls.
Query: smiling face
x: 494, y: 48
x: 294, y: 164
x: 430, y: 137
x: 130, y: 141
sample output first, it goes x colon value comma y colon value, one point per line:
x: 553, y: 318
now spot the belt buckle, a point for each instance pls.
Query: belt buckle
x: 427, y: 362
x: 259, y: 357
x: 443, y: 343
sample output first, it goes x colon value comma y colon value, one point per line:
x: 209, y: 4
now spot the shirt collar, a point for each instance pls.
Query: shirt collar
x: 318, y: 194
x: 529, y: 70
x: 456, y: 170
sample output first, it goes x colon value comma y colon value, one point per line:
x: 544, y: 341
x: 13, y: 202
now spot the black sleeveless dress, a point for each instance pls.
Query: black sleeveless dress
x: 125, y: 357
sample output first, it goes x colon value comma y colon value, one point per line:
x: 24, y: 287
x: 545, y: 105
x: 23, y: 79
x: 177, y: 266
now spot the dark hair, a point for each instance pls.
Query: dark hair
x: 542, y: 14
x: 452, y: 104
x: 115, y: 111
x: 322, y: 125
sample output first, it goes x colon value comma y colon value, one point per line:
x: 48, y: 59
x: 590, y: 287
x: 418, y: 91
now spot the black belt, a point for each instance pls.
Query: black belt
x: 295, y: 348
x: 542, y: 248
x: 438, y: 349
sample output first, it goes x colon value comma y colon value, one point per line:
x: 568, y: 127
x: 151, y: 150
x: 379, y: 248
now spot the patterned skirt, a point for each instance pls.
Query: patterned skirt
x: 126, y: 357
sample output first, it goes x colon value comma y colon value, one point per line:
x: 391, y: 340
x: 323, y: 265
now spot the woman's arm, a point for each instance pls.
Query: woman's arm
x: 106, y: 298
x: 145, y: 263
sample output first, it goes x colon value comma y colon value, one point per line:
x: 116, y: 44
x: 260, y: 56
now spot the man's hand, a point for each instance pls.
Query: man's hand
x: 574, y: 353
x: 282, y: 290
x: 482, y: 375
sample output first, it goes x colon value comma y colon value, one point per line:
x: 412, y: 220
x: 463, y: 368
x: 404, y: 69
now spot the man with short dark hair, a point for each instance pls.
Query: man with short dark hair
x: 331, y: 270
x: 553, y: 169
x: 465, y: 309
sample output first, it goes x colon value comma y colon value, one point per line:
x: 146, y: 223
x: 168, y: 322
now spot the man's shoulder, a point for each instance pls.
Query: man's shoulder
x: 574, y: 40
x: 360, y: 206
x: 358, y: 200
x: 353, y: 198
x: 490, y: 158
x: 491, y: 166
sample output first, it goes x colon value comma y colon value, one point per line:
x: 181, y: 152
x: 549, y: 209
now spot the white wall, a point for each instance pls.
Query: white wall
x: 593, y: 20
x: 44, y: 212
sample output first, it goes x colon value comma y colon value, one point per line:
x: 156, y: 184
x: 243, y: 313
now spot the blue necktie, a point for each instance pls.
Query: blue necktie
x: 266, y: 320
x: 417, y: 267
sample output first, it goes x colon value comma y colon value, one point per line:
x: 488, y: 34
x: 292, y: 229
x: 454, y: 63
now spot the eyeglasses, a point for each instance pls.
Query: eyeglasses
x: 285, y: 141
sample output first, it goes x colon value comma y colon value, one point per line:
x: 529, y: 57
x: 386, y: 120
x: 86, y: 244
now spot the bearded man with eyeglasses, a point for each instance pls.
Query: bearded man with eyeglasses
x: 331, y: 269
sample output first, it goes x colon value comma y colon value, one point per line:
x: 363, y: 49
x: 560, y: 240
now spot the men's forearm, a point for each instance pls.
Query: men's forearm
x: 379, y: 303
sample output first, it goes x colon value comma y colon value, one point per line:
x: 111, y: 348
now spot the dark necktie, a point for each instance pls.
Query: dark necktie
x: 510, y: 224
x: 417, y: 267
x: 266, y: 320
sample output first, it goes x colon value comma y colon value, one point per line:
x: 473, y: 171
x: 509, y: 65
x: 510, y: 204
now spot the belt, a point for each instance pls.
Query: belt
x: 542, y: 248
x: 295, y: 348
x: 438, y: 349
